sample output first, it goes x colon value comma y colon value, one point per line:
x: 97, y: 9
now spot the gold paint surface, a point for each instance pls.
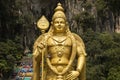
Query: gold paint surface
x: 43, y: 23
x: 58, y: 54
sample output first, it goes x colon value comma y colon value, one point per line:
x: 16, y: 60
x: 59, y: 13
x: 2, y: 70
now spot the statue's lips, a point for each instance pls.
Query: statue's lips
x: 59, y: 27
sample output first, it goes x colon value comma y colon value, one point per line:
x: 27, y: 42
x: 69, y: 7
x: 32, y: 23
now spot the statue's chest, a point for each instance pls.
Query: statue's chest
x: 59, y: 46
x: 59, y: 41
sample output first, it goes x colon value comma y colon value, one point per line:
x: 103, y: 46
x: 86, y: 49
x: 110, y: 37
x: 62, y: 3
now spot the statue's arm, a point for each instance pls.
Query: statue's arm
x: 36, y: 64
x: 80, y: 70
x: 37, y: 58
x: 81, y: 57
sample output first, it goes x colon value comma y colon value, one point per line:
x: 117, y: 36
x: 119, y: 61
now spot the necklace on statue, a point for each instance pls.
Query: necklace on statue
x: 59, y: 41
x: 59, y: 45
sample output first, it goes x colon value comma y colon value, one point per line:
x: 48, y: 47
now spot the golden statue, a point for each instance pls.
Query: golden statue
x: 58, y: 54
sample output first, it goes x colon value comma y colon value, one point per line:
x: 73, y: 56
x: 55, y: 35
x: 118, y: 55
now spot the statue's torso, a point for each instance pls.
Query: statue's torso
x: 59, y: 50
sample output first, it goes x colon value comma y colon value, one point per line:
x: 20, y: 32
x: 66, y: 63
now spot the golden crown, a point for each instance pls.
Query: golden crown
x: 59, y: 12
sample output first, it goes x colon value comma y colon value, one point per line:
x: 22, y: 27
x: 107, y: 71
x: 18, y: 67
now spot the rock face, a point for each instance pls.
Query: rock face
x: 43, y: 7
x: 77, y: 12
x: 46, y: 7
x: 107, y: 22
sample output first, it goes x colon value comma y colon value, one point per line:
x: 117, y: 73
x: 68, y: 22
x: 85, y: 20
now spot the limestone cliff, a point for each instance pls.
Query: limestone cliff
x: 81, y: 15
x: 22, y: 15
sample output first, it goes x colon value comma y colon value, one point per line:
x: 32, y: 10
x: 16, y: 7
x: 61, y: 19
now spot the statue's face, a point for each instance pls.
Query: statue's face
x: 59, y: 25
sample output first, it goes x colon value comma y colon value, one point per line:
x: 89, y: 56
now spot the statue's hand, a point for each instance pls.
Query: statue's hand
x: 72, y: 75
x: 36, y: 55
x: 41, y: 45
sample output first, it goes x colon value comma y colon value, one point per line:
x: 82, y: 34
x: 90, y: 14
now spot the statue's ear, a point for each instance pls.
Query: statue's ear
x: 51, y: 23
x: 66, y: 23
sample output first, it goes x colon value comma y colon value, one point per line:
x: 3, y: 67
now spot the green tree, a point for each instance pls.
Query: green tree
x: 85, y: 20
x: 10, y: 53
x: 103, y: 58
x: 114, y: 73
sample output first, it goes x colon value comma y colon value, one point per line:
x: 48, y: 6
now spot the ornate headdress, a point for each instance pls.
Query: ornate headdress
x: 59, y: 12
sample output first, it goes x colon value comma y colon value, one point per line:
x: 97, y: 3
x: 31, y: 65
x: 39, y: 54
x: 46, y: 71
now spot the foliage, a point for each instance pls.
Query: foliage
x: 10, y: 52
x: 103, y: 58
x: 114, y: 73
x: 87, y: 5
x: 101, y: 6
x: 113, y: 5
x: 85, y: 20
x: 14, y: 22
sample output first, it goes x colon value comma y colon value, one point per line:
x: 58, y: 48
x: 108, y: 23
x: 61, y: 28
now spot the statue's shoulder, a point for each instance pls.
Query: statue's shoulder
x: 41, y: 38
x: 80, y: 42
x: 78, y: 39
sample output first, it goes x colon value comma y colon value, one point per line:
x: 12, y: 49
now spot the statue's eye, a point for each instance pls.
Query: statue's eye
x: 61, y: 22
x: 56, y: 22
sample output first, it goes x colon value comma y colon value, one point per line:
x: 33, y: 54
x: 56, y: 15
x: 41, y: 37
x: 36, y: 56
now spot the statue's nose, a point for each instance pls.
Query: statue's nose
x: 59, y: 23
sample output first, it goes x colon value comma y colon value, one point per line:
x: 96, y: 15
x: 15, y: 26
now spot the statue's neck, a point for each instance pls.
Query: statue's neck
x: 59, y: 33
